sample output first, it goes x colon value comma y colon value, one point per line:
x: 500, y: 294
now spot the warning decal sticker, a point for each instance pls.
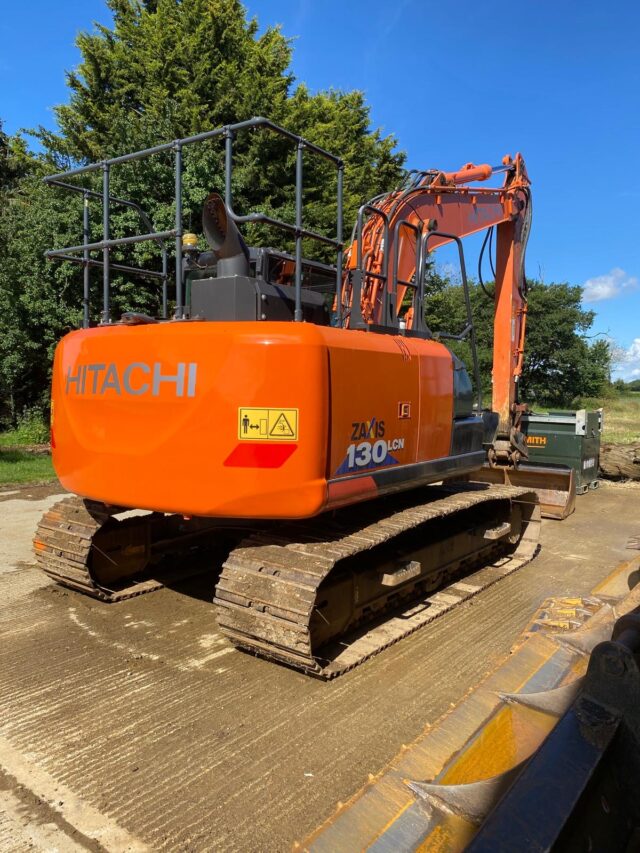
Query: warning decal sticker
x: 268, y: 424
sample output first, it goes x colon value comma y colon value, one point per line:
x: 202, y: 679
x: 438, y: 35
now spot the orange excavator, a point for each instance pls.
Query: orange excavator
x: 296, y: 424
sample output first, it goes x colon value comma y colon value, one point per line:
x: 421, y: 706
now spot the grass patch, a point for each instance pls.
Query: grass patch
x: 16, y: 466
x: 621, y: 417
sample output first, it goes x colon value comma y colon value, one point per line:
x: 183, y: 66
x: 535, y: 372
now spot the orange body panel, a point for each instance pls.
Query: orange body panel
x: 152, y: 416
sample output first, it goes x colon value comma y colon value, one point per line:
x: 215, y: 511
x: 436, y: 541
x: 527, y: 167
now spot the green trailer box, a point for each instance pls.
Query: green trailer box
x: 566, y: 438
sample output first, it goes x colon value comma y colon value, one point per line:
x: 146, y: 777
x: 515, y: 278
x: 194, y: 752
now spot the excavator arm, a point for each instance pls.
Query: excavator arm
x: 433, y: 209
x: 384, y: 285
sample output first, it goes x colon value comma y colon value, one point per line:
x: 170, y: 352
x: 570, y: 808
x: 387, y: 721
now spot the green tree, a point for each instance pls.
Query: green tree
x: 165, y: 69
x: 14, y: 161
x: 38, y: 299
x: 596, y: 372
x: 559, y: 364
x: 171, y: 69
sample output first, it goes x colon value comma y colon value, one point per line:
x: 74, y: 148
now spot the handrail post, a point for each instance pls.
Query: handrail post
x: 417, y: 230
x: 85, y: 262
x: 179, y: 312
x: 356, y: 320
x: 417, y: 322
x: 105, y: 251
x: 165, y: 276
x: 228, y: 165
x: 386, y: 301
x: 418, y: 311
x: 297, y: 316
x: 339, y: 237
x: 358, y: 276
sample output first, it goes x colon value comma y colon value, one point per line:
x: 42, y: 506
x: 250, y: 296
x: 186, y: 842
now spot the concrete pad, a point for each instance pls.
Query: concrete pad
x: 147, y: 715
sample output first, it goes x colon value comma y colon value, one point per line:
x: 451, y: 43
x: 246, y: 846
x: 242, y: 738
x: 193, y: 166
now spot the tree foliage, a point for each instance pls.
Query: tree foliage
x: 165, y: 69
x: 560, y: 364
x: 171, y: 68
x: 14, y: 161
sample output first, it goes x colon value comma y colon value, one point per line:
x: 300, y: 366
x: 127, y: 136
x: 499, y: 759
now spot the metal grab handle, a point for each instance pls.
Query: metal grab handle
x: 469, y: 329
x: 358, y: 275
x: 418, y: 319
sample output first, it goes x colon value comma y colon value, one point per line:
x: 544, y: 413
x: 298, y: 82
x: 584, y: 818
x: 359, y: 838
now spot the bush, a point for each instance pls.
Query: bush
x: 32, y: 428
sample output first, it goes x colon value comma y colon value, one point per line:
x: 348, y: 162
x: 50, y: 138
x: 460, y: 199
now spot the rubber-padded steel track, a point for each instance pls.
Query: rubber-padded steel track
x: 268, y: 588
x: 62, y: 544
x: 269, y: 591
x: 68, y: 536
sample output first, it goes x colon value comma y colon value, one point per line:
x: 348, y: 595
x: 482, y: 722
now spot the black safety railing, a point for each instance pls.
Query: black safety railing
x: 88, y: 262
x: 228, y: 133
x: 361, y: 277
x: 417, y: 285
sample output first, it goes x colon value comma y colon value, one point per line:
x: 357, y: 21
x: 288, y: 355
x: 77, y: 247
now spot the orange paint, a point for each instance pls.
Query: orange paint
x: 147, y: 416
x: 281, y: 419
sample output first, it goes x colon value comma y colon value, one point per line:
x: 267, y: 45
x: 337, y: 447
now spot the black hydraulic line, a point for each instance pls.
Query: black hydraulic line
x: 487, y: 237
x: 525, y: 241
x: 493, y: 269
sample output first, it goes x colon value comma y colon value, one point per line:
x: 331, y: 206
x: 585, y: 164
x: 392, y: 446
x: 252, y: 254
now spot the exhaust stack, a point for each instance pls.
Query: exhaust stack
x: 224, y: 238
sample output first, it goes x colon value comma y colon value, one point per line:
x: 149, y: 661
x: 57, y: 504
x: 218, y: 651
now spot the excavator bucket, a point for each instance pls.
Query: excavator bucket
x: 546, y: 751
x: 554, y: 484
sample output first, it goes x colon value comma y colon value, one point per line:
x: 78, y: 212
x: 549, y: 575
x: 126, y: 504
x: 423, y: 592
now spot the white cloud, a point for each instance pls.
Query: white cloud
x: 628, y: 366
x: 609, y: 285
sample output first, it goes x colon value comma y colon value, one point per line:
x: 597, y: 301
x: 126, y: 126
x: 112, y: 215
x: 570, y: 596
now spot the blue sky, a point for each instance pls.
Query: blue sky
x: 455, y: 82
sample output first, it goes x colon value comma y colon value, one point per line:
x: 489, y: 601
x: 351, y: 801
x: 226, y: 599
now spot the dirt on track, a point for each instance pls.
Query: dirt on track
x: 136, y: 726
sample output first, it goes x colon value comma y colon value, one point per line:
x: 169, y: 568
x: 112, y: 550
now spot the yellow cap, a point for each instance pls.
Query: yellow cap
x: 189, y: 239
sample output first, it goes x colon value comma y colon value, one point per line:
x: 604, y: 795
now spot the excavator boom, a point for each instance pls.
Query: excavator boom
x: 386, y: 263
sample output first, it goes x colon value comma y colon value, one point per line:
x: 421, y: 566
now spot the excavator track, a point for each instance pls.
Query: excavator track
x: 321, y: 595
x: 80, y: 545
x: 63, y: 544
x: 271, y: 593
